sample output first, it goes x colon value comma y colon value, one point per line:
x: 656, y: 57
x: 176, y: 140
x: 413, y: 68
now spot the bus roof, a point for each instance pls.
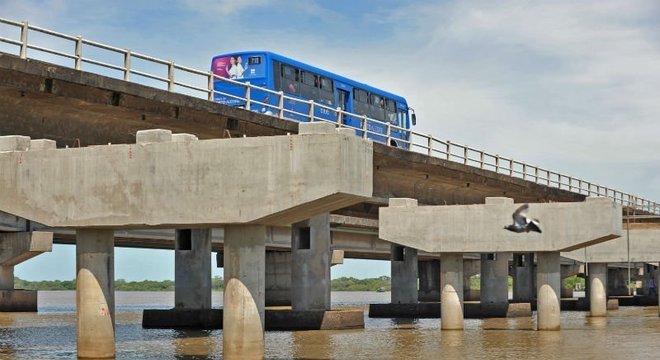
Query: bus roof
x: 296, y: 63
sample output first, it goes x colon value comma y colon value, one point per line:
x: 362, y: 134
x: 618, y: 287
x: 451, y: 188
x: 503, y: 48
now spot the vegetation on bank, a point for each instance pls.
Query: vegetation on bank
x: 382, y: 283
x: 341, y: 284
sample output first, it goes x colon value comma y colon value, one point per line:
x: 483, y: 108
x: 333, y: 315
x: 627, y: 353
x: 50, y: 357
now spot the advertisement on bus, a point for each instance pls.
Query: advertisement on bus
x: 239, y: 67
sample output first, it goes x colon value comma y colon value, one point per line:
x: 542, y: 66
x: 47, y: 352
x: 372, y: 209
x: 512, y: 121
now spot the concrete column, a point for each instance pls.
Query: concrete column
x: 95, y: 293
x: 429, y: 280
x: 278, y: 278
x: 451, y: 297
x: 494, y: 279
x: 192, y: 269
x: 6, y: 277
x: 523, y: 277
x: 597, y: 289
x: 244, y: 271
x: 549, y: 287
x: 404, y: 275
x: 310, y: 274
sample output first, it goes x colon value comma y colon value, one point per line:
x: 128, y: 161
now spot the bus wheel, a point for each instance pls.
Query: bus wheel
x: 393, y: 143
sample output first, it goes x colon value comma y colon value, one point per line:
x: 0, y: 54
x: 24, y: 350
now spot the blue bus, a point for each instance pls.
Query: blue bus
x: 301, y: 81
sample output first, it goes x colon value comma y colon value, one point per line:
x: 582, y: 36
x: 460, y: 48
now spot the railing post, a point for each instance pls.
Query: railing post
x: 311, y: 111
x: 339, y: 117
x: 127, y: 65
x: 465, y: 155
x: 430, y: 145
x: 547, y: 177
x: 511, y: 167
x: 448, y: 150
x: 365, y: 127
x: 497, y: 163
x: 281, y: 105
x: 248, y: 102
x: 170, y: 76
x: 24, y: 40
x: 570, y: 184
x: 210, y: 85
x: 481, y: 159
x: 389, y: 134
x: 536, y: 175
x: 524, y: 171
x: 78, y: 52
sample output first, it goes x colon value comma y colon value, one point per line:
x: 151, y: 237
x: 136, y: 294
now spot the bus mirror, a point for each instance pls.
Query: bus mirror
x: 414, y: 119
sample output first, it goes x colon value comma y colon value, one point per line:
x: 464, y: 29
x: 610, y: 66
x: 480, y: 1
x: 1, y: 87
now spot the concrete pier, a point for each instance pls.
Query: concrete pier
x: 244, y: 272
x: 451, y: 297
x: 404, y: 275
x: 7, y: 277
x: 494, y: 295
x: 471, y: 267
x: 192, y: 269
x: 597, y: 279
x: 95, y: 297
x: 523, y: 277
x: 310, y: 275
x: 429, y: 280
x: 549, y: 285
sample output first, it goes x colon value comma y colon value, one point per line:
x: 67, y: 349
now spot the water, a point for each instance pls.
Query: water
x: 632, y: 333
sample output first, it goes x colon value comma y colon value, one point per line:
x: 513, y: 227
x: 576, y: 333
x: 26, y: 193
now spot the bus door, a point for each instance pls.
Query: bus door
x: 342, y: 99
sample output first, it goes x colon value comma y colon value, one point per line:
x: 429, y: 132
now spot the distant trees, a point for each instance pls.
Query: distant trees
x: 217, y: 284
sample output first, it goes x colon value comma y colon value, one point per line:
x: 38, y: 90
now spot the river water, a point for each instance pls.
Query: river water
x: 627, y: 333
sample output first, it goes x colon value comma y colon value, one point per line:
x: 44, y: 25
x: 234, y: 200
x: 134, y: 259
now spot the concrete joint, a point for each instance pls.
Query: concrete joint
x: 183, y: 137
x: 14, y: 143
x: 316, y: 128
x: 498, y: 200
x: 402, y: 202
x: 42, y: 144
x: 152, y: 136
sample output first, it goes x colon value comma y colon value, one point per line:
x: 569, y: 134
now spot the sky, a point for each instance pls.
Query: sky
x: 573, y: 86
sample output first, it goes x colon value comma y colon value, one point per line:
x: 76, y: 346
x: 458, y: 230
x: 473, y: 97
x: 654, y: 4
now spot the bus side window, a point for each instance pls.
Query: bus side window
x: 390, y: 110
x: 326, y: 92
x: 377, y: 107
x: 360, y: 102
x: 308, y: 86
x: 289, y: 81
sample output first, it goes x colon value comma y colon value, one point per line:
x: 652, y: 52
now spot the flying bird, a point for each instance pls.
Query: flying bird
x: 521, y: 223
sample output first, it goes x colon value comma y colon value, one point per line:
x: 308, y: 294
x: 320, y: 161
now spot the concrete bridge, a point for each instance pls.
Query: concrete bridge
x: 306, y: 193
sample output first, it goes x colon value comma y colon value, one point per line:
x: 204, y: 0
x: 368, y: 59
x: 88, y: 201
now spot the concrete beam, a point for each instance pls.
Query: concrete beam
x: 644, y: 247
x: 274, y: 180
x: 20, y: 246
x: 480, y: 228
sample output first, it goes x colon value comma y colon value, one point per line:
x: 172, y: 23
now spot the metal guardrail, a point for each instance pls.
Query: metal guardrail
x: 416, y: 141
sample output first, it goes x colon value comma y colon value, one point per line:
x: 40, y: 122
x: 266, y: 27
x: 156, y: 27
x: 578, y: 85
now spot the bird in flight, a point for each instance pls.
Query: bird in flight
x: 522, y: 223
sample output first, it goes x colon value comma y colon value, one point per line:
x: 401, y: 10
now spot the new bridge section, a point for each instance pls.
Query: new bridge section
x: 245, y: 185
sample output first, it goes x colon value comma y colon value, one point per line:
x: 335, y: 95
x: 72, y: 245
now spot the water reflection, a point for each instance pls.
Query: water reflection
x: 194, y: 344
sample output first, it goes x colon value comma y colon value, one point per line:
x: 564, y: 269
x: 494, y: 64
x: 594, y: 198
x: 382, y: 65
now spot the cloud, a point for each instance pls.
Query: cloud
x: 224, y: 7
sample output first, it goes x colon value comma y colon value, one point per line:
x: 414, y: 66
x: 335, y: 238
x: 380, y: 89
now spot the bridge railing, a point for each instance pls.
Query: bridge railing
x: 182, y: 79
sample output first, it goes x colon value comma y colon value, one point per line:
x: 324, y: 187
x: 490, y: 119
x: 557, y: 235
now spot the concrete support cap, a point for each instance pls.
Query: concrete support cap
x: 498, y: 200
x: 402, y: 202
x: 183, y: 137
x: 346, y: 131
x: 316, y: 128
x: 337, y: 257
x: 42, y: 144
x: 153, y: 136
x: 14, y: 143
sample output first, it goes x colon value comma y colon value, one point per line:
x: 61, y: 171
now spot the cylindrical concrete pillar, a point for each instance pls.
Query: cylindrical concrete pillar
x: 95, y: 293
x: 451, y: 296
x: 403, y: 262
x: 597, y: 289
x: 523, y: 277
x: 192, y: 269
x: 243, y: 309
x: 549, y: 287
x: 7, y: 277
x: 494, y: 278
x: 310, y: 274
x: 429, y: 280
